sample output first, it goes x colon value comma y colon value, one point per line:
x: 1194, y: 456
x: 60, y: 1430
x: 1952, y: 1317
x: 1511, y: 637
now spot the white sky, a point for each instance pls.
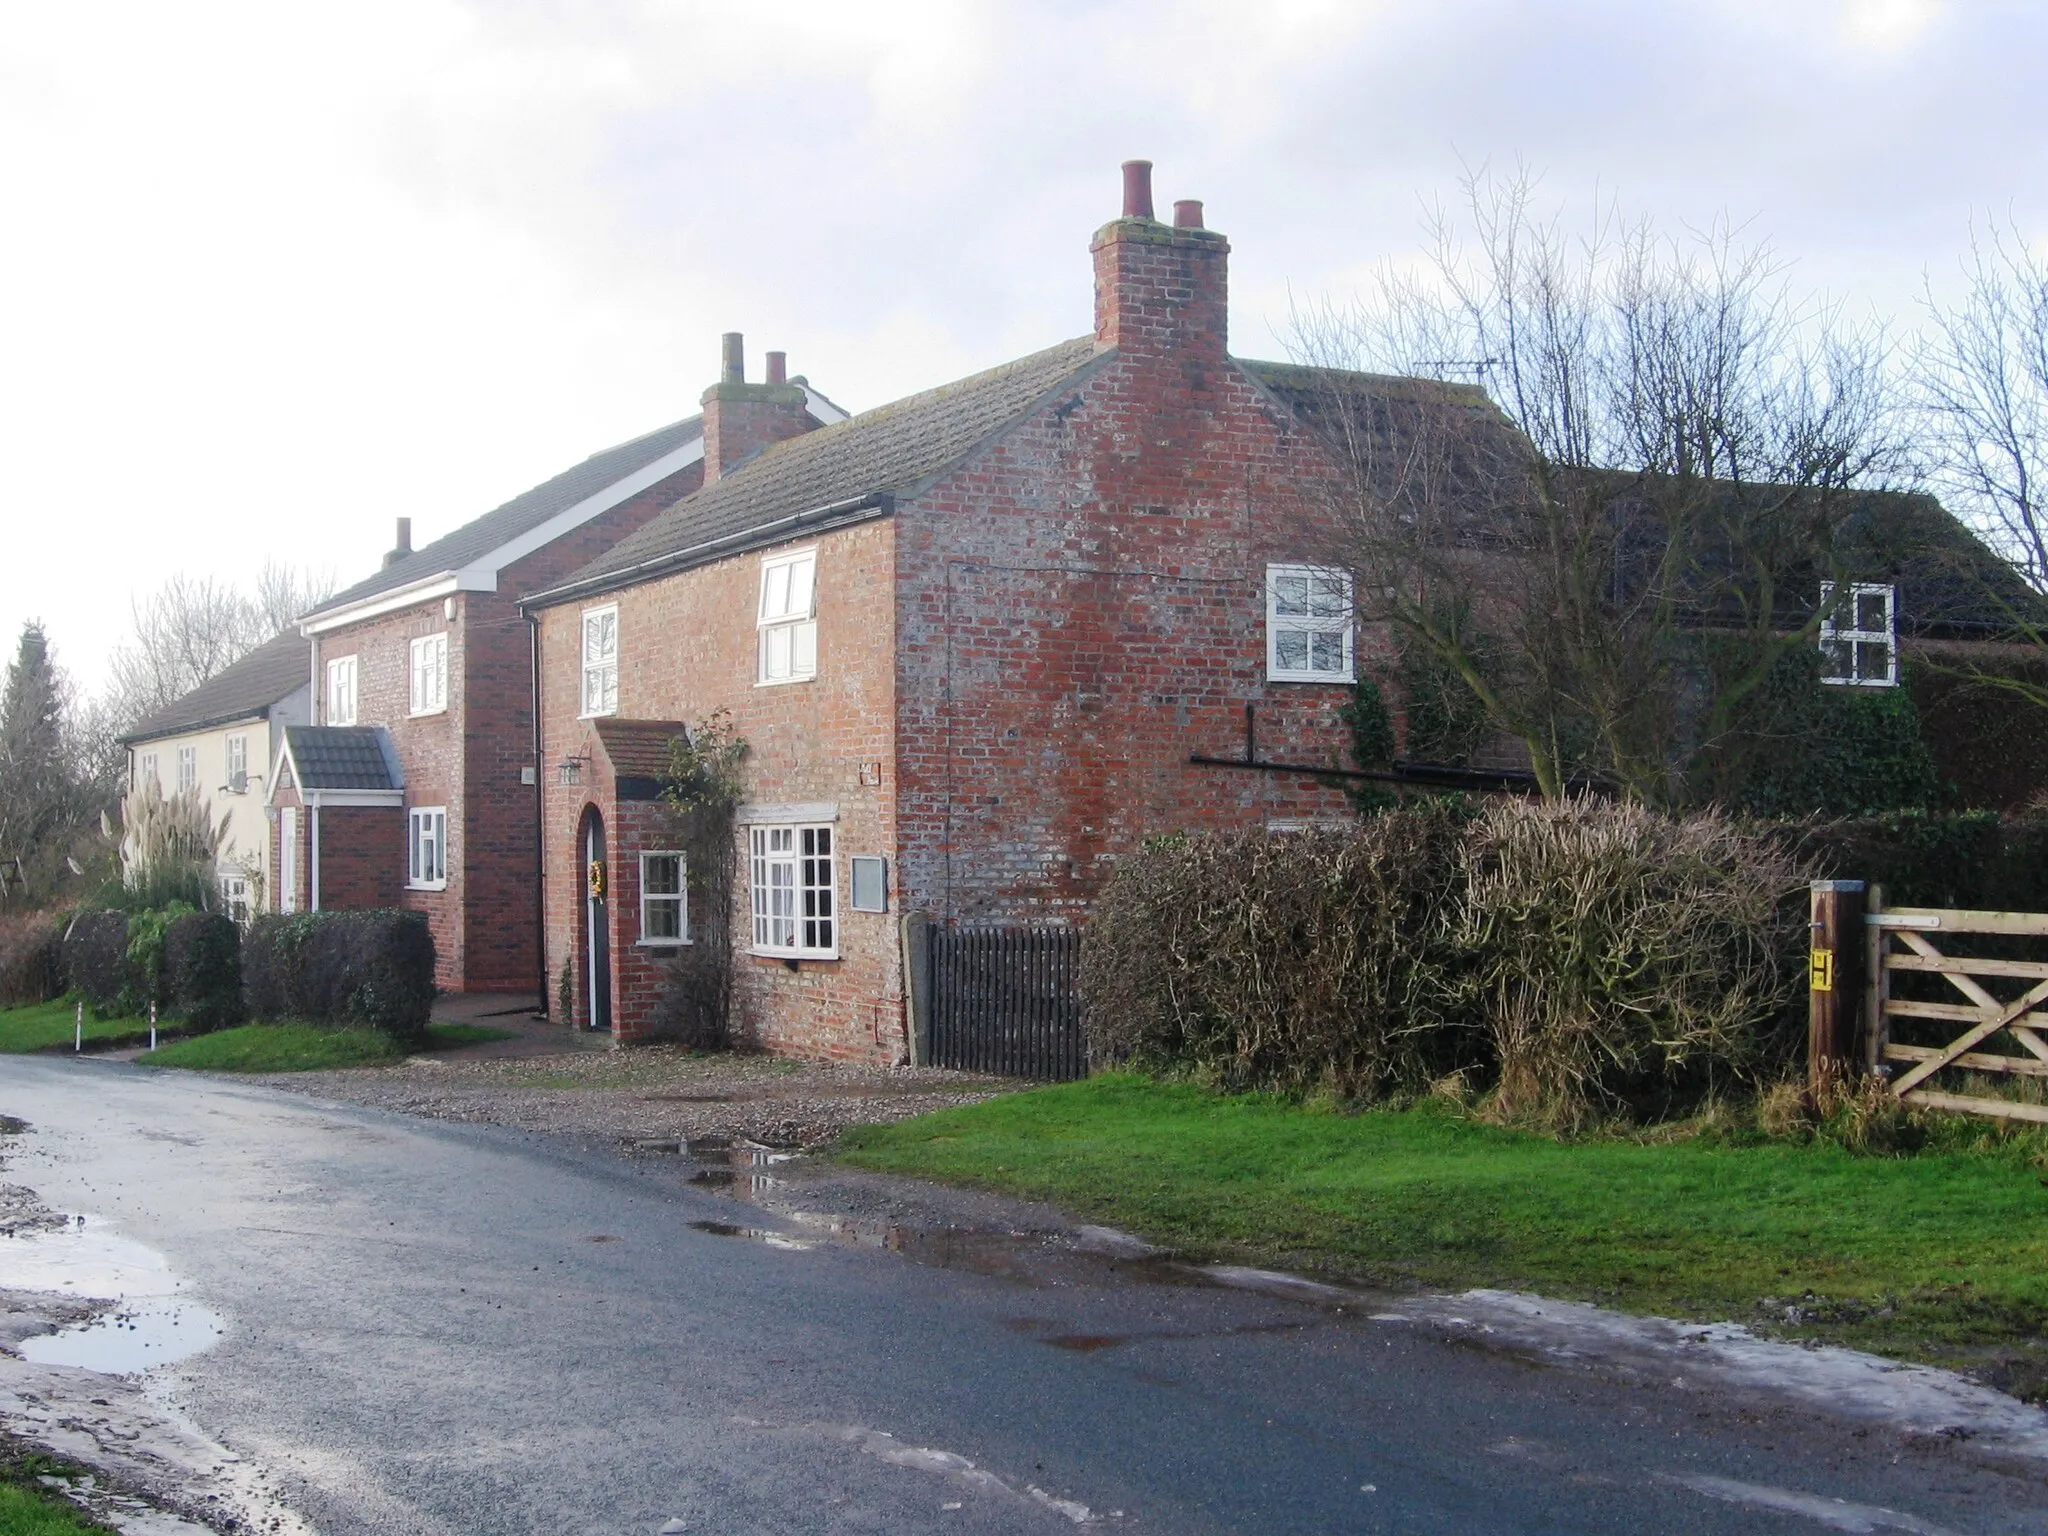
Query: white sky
x: 274, y: 273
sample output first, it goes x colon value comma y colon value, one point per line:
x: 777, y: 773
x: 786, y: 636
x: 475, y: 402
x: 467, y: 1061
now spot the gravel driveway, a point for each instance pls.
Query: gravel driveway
x: 651, y: 1093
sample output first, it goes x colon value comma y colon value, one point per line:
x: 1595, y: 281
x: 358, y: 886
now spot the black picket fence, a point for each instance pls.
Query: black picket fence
x: 1007, y: 1000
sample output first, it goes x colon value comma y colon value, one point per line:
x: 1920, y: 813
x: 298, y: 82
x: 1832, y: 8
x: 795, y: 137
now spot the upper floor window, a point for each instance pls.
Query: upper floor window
x: 601, y: 661
x: 430, y: 674
x: 788, y: 619
x: 341, y: 691
x: 1859, y: 638
x: 188, y: 768
x: 794, y: 894
x: 238, y: 764
x: 664, y: 902
x: 1308, y: 624
x: 145, y: 770
x: 426, y: 836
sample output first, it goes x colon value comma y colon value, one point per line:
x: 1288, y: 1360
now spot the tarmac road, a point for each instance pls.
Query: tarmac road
x: 443, y: 1329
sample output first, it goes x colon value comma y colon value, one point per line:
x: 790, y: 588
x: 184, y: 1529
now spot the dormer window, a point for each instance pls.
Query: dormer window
x: 1859, y: 639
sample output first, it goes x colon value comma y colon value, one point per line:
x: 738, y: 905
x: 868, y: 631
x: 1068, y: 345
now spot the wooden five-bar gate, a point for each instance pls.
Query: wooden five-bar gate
x: 1955, y: 1008
x: 999, y: 999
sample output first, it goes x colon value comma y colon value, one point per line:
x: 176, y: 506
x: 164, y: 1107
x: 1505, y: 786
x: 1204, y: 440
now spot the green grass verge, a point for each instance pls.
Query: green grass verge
x: 27, y: 1508
x: 48, y: 1026
x: 1943, y: 1255
x: 304, y: 1047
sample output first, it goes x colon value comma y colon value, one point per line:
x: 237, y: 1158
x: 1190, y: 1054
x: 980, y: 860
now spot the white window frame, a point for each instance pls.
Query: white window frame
x: 145, y: 768
x: 1838, y: 642
x: 431, y: 873
x: 341, y: 687
x: 651, y: 901
x: 796, y: 916
x: 1283, y: 618
x: 876, y: 869
x: 238, y: 765
x: 788, y: 624
x: 234, y: 895
x: 429, y: 674
x: 600, y: 694
x: 288, y: 858
x: 188, y: 767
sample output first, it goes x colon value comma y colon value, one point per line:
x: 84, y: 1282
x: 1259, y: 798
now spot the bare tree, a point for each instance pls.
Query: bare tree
x: 1981, y: 381
x: 1619, y: 531
x: 193, y: 627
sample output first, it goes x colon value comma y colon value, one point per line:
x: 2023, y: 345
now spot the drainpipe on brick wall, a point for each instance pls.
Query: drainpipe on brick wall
x: 540, y: 830
x: 313, y: 864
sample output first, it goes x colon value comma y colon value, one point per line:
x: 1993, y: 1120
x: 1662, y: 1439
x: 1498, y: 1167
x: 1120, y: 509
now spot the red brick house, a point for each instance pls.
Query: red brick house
x: 972, y: 638
x: 427, y: 667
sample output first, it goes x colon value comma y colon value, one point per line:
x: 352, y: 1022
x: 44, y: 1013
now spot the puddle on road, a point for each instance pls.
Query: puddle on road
x: 148, y: 1325
x: 1091, y: 1256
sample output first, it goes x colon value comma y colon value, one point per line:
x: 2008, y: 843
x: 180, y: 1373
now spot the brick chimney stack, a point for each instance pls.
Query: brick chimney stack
x: 403, y: 547
x: 740, y: 419
x: 1160, y: 290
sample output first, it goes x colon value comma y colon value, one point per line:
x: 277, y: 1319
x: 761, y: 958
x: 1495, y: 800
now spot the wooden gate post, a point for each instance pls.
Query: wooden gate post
x: 917, y: 986
x: 1834, y: 987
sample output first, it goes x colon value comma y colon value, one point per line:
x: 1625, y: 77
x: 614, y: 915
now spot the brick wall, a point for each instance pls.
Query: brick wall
x: 468, y: 758
x: 687, y: 647
x: 362, y: 856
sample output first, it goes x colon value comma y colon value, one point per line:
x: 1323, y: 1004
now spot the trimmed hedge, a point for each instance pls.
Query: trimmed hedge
x: 374, y: 968
x: 96, y: 964
x: 201, y: 976
x: 31, y: 958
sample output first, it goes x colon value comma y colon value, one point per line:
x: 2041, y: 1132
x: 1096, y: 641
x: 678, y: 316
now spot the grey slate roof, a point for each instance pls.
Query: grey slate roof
x: 342, y: 757
x: 274, y: 670
x: 523, y: 513
x: 892, y: 449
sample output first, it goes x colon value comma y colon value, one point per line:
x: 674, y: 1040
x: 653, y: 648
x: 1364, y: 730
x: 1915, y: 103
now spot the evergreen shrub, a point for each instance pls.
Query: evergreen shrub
x: 96, y: 964
x: 374, y: 968
x: 201, y: 974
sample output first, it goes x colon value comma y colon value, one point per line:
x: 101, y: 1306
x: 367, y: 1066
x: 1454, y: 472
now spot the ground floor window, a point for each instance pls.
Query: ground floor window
x: 234, y: 896
x: 664, y: 899
x: 794, y: 893
x: 427, y: 845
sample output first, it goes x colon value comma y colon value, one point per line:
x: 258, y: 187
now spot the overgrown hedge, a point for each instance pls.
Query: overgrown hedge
x: 31, y: 958
x: 200, y: 977
x: 1567, y: 961
x: 374, y: 968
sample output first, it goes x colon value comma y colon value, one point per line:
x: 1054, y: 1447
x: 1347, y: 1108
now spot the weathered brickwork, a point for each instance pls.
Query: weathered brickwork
x: 361, y: 852
x: 1029, y: 650
x: 688, y: 647
x: 469, y: 757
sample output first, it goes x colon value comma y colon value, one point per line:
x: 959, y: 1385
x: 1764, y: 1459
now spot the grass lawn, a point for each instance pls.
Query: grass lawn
x: 305, y: 1048
x: 1937, y: 1256
x: 46, y: 1026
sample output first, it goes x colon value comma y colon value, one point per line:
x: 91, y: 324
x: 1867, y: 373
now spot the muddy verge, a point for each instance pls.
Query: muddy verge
x: 651, y: 1093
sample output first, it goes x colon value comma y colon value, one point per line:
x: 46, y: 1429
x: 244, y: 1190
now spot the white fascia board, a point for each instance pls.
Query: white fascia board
x: 316, y: 798
x: 424, y: 591
x: 482, y: 575
x: 284, y: 748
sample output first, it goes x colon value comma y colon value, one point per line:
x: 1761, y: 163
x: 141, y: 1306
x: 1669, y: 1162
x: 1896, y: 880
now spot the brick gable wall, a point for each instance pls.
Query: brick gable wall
x: 1082, y: 607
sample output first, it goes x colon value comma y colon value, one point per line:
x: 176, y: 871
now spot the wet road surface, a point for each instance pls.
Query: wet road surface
x: 429, y: 1329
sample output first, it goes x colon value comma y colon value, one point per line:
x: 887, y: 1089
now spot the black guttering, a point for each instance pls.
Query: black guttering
x: 252, y: 716
x: 855, y: 509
